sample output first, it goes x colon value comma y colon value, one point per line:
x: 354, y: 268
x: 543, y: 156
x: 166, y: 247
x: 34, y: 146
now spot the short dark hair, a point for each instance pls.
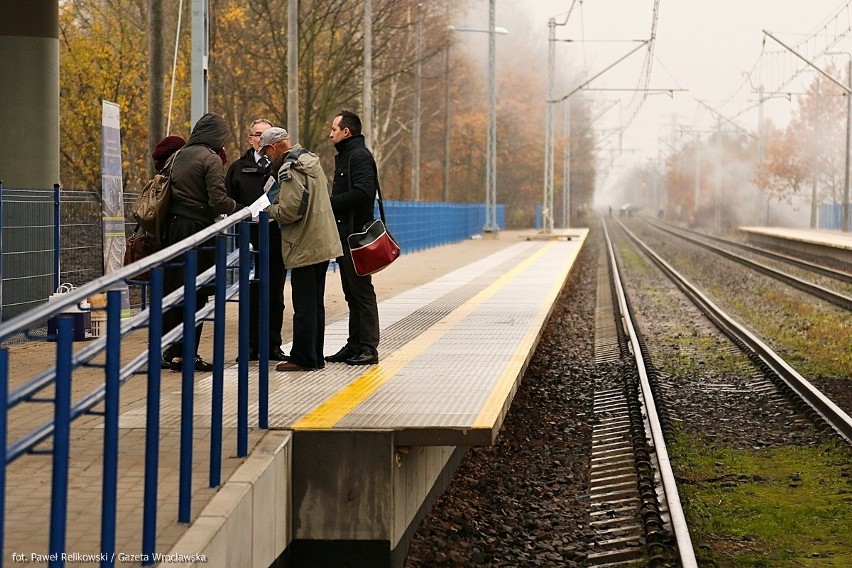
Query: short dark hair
x: 350, y: 120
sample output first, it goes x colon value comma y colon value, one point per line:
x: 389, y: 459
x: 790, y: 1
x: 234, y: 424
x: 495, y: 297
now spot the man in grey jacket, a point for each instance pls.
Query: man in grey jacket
x: 309, y: 240
x: 198, y: 197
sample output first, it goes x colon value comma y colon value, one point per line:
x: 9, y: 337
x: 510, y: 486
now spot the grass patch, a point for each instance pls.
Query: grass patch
x: 631, y: 258
x: 787, y: 506
x: 817, y: 342
x: 696, y: 352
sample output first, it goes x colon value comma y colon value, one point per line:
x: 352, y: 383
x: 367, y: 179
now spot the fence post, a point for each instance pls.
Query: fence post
x: 4, y: 402
x: 61, y: 439
x: 261, y: 271
x: 242, y: 363
x: 55, y: 237
x: 111, y: 410
x: 218, y: 384
x: 152, y: 418
x: 187, y: 393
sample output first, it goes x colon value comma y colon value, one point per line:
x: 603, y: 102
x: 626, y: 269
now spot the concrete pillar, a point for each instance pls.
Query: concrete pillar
x: 358, y: 497
x: 29, y: 93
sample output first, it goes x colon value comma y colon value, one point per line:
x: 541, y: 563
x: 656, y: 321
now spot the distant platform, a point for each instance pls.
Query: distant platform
x: 833, y: 245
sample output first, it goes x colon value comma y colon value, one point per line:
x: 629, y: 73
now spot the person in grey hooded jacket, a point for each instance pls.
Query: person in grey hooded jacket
x: 198, y: 198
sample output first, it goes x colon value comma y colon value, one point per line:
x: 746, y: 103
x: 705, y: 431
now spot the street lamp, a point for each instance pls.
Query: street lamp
x: 451, y: 29
x: 415, y: 131
x: 367, y: 118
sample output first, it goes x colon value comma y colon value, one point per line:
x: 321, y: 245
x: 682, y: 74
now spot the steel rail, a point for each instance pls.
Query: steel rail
x: 840, y: 275
x: 678, y: 519
x: 822, y: 405
x: 816, y: 290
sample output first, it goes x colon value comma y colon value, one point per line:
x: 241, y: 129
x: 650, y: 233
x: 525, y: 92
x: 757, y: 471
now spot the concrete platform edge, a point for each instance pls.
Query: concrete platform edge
x: 249, y: 516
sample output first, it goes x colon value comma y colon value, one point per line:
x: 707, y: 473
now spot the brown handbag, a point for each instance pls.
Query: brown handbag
x: 139, y: 245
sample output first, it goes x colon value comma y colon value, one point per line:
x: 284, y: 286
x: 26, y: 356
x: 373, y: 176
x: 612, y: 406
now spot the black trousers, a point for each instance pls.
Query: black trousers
x: 277, y: 275
x: 308, y: 288
x: 177, y: 229
x: 361, y: 299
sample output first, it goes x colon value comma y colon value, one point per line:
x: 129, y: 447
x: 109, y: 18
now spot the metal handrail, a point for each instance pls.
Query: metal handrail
x: 30, y: 318
x: 66, y: 410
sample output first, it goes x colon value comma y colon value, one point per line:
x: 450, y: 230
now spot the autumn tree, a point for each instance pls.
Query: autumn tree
x: 583, y: 167
x: 811, y: 149
x: 101, y: 59
x: 103, y: 55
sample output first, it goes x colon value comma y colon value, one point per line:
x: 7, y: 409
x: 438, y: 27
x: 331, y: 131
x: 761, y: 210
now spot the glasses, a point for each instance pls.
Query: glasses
x: 255, y: 135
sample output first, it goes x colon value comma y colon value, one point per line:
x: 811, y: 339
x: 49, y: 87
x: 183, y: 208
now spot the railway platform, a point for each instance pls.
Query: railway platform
x: 834, y: 245
x: 353, y: 457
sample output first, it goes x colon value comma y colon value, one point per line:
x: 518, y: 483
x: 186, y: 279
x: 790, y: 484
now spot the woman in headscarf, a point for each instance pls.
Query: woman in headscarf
x: 164, y: 150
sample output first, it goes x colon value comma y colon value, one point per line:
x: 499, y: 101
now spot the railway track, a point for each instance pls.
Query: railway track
x: 836, y: 274
x: 800, y: 390
x: 613, y: 500
x: 831, y: 296
x: 771, y: 378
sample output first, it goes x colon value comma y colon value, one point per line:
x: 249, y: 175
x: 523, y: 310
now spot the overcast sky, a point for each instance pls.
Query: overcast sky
x: 702, y: 46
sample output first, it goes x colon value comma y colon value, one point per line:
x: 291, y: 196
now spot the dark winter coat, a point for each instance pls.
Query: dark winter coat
x: 244, y: 180
x: 198, y: 177
x: 353, y: 206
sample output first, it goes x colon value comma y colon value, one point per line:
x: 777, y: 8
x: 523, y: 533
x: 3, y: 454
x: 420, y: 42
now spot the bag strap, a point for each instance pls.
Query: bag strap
x: 170, y: 163
x: 378, y: 189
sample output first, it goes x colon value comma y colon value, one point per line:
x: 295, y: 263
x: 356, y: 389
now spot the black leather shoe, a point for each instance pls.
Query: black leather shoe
x: 277, y: 355
x: 342, y: 355
x: 165, y: 362
x: 365, y: 357
x: 200, y: 364
x: 253, y: 356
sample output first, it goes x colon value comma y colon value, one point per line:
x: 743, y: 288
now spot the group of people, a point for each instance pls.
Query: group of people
x: 310, y: 221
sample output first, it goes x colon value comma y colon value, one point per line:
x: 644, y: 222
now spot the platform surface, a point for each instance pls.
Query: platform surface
x: 451, y: 354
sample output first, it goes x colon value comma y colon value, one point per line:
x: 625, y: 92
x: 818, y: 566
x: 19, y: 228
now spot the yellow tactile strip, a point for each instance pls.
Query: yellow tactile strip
x: 460, y: 372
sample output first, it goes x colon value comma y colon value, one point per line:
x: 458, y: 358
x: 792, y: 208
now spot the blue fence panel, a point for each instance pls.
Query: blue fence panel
x: 831, y: 216
x: 422, y: 225
x: 58, y: 378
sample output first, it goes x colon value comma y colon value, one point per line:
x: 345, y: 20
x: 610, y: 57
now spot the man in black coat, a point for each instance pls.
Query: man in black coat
x: 244, y: 183
x: 352, y: 200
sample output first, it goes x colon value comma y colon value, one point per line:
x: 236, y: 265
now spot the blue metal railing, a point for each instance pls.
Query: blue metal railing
x: 67, y: 410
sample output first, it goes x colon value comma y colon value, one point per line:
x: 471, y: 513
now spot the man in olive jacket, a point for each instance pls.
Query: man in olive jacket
x: 309, y: 241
